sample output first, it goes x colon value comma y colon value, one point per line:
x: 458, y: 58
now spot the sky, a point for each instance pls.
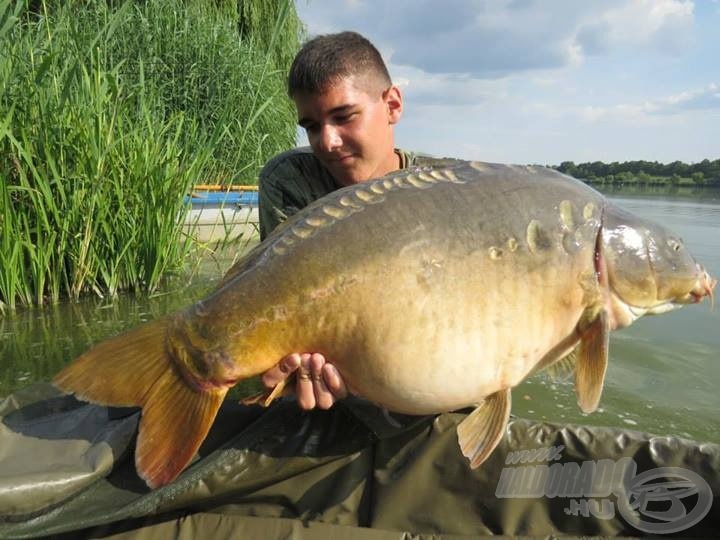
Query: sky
x: 545, y: 81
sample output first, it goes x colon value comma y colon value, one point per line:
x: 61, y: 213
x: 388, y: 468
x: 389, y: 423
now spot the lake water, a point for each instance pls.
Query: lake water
x: 663, y: 372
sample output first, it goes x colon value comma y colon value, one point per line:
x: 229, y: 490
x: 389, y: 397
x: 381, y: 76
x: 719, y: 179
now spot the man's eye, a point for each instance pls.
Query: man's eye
x: 341, y: 119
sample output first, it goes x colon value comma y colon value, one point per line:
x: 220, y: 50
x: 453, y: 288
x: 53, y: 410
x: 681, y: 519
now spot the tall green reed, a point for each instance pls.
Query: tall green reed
x: 108, y: 116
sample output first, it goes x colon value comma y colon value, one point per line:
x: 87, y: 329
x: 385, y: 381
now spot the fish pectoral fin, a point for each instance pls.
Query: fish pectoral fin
x: 592, y: 360
x: 175, y: 420
x: 268, y: 396
x: 481, y: 432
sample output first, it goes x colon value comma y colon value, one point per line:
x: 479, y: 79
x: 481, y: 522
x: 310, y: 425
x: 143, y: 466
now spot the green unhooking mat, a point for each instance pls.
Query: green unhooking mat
x: 352, y: 472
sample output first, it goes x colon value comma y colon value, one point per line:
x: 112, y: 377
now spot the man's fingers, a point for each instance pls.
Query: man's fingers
x: 318, y: 383
x: 281, y: 370
x: 323, y: 398
x: 304, y: 387
x: 334, y: 382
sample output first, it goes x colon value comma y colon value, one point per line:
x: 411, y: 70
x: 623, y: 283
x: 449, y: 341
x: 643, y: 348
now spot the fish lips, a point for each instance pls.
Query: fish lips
x: 703, y: 287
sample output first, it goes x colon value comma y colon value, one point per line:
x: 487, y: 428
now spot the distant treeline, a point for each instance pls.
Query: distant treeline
x: 705, y: 172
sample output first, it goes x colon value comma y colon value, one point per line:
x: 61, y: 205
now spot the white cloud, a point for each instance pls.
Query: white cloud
x: 702, y: 99
x: 496, y: 38
x: 663, y: 24
x: 421, y: 88
x: 706, y: 98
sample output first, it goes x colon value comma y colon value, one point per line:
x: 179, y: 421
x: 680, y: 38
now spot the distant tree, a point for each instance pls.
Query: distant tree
x: 624, y: 177
x: 678, y: 167
x: 704, y: 167
x: 598, y: 168
x: 568, y: 167
x: 643, y: 177
x: 698, y: 177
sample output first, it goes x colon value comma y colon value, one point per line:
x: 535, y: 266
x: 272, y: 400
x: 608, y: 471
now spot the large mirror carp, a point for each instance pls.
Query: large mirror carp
x: 429, y: 290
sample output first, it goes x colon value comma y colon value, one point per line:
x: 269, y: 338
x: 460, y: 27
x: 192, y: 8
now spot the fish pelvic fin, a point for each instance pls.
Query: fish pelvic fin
x: 265, y: 398
x: 564, y: 368
x: 135, y: 369
x: 592, y: 361
x: 481, y: 432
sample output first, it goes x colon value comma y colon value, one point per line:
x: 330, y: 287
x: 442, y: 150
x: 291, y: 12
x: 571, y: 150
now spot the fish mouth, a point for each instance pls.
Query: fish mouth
x: 704, y: 287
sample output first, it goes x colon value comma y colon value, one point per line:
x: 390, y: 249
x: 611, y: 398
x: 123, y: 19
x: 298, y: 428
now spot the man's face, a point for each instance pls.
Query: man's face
x: 351, y: 129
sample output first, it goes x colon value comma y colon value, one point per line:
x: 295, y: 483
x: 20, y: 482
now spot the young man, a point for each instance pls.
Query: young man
x: 348, y: 107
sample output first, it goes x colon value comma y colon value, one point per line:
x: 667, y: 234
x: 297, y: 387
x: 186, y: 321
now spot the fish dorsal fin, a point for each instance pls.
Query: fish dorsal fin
x: 592, y: 360
x: 481, y: 432
x: 564, y: 368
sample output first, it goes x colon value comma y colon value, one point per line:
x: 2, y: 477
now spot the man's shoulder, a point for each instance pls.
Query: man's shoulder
x: 419, y: 159
x: 294, y: 179
x: 291, y: 161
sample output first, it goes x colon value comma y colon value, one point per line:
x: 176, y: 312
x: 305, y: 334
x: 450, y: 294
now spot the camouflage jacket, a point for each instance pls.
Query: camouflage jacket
x: 292, y: 180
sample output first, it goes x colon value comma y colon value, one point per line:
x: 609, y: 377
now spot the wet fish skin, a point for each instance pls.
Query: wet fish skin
x: 416, y: 249
x: 430, y: 290
x: 649, y: 267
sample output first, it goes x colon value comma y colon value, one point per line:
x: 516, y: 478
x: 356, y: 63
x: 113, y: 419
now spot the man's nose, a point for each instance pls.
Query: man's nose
x: 330, y: 139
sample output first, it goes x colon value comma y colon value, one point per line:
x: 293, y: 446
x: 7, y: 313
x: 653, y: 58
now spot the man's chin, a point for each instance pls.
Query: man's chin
x: 346, y: 177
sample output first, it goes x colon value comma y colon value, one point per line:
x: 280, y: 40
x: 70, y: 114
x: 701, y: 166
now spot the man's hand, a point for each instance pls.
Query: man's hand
x: 318, y: 382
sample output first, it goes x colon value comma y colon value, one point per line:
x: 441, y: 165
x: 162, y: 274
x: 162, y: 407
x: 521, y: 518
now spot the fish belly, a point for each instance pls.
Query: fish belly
x: 424, y: 351
x: 427, y: 297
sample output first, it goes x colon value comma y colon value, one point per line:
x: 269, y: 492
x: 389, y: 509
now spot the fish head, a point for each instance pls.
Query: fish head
x: 649, y: 269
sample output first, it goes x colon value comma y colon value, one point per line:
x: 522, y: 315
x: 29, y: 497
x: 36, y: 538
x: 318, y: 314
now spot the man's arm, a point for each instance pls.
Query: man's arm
x: 318, y: 383
x: 270, y: 206
x: 287, y: 184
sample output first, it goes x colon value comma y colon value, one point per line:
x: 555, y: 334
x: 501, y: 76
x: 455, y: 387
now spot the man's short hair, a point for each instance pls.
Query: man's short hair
x: 328, y: 58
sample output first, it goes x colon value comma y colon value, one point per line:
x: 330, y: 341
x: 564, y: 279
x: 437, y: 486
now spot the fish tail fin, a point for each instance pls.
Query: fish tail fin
x: 175, y: 421
x: 119, y: 371
x: 135, y: 369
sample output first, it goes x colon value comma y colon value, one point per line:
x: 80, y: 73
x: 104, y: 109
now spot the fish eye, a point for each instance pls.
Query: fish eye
x: 675, y: 245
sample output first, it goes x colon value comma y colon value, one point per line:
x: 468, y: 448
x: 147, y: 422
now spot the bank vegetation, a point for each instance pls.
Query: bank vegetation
x: 109, y: 113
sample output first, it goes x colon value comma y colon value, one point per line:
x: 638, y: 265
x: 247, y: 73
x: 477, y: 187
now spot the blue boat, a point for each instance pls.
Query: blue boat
x: 222, y: 198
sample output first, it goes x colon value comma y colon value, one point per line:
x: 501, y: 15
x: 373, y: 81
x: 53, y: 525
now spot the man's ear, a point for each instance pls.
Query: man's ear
x: 394, y: 102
